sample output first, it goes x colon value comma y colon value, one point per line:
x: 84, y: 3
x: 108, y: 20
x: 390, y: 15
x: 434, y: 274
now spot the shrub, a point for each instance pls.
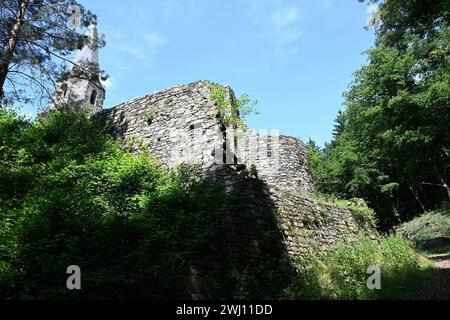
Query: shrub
x: 69, y: 195
x: 232, y: 114
x: 364, y: 215
x: 429, y: 227
x: 341, y: 273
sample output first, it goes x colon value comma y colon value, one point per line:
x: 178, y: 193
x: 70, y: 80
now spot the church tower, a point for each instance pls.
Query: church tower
x: 80, y: 88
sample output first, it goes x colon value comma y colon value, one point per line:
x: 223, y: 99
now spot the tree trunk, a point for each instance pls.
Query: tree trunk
x: 11, y: 45
x: 416, y: 196
x: 444, y: 185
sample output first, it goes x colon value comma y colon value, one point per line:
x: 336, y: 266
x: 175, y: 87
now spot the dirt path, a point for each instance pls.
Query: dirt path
x: 438, y: 287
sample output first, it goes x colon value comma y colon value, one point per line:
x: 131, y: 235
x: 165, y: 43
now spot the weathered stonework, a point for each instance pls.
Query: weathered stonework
x: 171, y: 122
x: 181, y: 125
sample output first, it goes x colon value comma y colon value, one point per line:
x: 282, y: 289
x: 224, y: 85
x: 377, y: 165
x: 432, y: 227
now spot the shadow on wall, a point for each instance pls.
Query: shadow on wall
x: 246, y: 258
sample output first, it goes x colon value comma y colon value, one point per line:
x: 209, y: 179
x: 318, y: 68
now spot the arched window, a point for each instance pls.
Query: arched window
x: 93, y: 97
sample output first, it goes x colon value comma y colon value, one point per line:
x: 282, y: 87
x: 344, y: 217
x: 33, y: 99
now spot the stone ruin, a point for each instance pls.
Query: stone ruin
x: 269, y: 172
x: 181, y: 125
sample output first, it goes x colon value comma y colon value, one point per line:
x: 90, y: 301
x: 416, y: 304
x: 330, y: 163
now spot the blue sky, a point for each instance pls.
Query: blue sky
x: 295, y: 57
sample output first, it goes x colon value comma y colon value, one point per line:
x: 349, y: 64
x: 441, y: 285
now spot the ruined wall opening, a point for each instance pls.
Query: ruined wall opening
x: 93, y: 98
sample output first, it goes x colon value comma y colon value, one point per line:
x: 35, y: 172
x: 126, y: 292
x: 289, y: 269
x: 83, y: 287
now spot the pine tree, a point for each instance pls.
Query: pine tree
x: 36, y: 40
x: 339, y: 124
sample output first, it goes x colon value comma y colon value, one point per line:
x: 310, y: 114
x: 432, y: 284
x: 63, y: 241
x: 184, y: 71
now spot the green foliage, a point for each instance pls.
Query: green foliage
x: 402, y: 19
x: 253, y: 171
x: 391, y: 144
x: 70, y: 195
x: 136, y: 144
x: 364, y: 215
x: 262, y: 278
x: 429, y: 226
x: 232, y: 114
x: 149, y: 118
x: 342, y: 272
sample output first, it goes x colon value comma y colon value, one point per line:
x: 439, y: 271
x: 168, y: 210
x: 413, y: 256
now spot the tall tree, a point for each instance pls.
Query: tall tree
x: 394, y: 146
x: 36, y: 40
x: 402, y: 19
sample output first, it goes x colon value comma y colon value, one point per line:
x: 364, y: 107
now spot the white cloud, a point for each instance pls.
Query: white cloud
x: 155, y: 39
x: 284, y: 17
x: 278, y: 25
x: 142, y: 46
x: 134, y: 51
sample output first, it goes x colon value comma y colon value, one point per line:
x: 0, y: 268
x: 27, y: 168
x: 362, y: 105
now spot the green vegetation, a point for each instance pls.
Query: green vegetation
x: 430, y: 231
x: 149, y: 118
x: 232, y: 114
x: 253, y: 171
x: 342, y: 272
x: 391, y: 145
x: 70, y: 195
x: 364, y: 215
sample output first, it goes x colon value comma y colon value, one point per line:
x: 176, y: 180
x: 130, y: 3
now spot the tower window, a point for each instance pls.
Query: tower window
x: 93, y: 97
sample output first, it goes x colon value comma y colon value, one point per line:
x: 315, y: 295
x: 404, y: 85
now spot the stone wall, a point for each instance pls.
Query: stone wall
x: 309, y: 226
x: 280, y: 161
x: 304, y: 224
x: 181, y: 125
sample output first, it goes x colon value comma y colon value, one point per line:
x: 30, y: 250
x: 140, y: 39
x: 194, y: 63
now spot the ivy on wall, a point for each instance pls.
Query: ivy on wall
x: 232, y: 114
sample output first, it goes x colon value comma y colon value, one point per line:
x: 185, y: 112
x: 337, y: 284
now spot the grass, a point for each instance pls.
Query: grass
x: 358, y: 207
x: 342, y: 273
x: 429, y: 226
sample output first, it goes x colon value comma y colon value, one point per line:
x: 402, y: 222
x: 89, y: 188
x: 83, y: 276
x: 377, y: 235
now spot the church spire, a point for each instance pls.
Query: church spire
x: 89, y: 52
x: 81, y: 88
